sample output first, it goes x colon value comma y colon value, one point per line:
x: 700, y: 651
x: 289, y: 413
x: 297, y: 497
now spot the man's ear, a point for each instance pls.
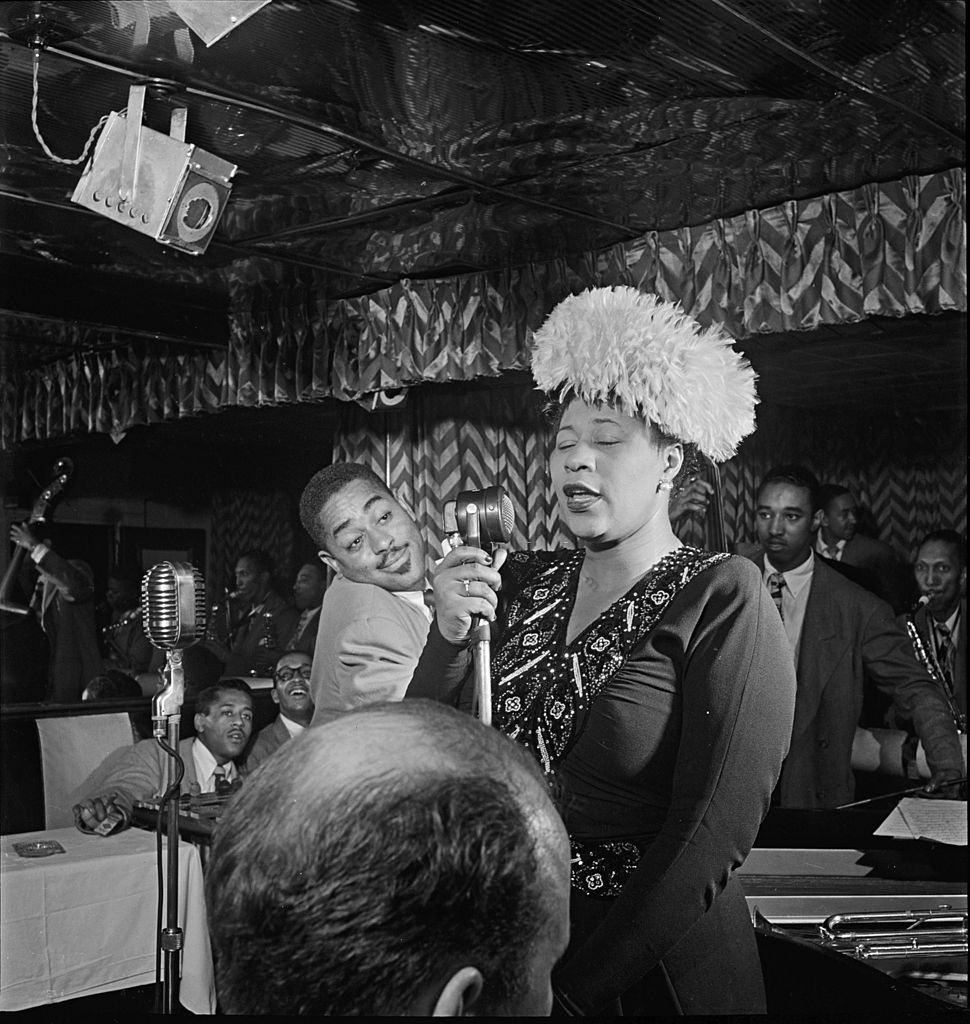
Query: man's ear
x: 199, y: 722
x: 460, y: 993
x: 328, y: 560
x: 817, y: 520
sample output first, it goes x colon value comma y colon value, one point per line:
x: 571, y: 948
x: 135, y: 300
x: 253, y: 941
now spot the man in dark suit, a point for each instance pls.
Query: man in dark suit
x: 308, y: 591
x: 838, y: 632
x: 64, y: 605
x: 941, y: 575
x: 291, y: 692
x: 880, y: 569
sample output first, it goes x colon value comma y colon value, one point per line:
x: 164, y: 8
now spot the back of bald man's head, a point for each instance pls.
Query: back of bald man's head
x: 373, y: 854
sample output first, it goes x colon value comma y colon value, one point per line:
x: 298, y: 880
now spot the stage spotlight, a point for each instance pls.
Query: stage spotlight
x: 157, y: 184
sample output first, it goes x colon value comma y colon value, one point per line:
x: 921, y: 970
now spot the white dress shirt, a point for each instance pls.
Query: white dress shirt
x: 415, y: 597
x: 823, y: 549
x: 293, y: 728
x: 205, y: 767
x: 794, y: 598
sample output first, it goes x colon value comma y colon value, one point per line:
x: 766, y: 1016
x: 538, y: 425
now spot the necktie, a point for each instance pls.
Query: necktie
x: 833, y: 552
x: 300, y: 626
x: 944, y: 647
x: 222, y: 784
x: 776, y: 584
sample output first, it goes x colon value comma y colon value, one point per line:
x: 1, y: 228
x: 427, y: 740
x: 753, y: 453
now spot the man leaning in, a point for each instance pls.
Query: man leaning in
x: 223, y: 724
x: 373, y: 622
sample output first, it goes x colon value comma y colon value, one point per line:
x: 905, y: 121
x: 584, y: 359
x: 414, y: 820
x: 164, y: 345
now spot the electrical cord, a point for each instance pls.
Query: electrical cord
x: 39, y: 137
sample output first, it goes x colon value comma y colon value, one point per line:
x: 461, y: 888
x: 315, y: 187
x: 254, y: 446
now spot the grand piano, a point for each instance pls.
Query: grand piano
x: 849, y: 922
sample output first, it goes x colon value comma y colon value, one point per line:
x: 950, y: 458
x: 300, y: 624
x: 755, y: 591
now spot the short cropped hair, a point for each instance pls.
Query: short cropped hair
x: 353, y: 899
x: 327, y: 484
x: 954, y: 540
x: 260, y: 559
x: 797, y: 476
x: 827, y: 493
x: 210, y: 695
x: 113, y: 685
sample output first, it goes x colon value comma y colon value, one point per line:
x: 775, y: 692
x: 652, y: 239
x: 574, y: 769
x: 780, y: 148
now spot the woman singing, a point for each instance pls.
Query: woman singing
x: 652, y: 679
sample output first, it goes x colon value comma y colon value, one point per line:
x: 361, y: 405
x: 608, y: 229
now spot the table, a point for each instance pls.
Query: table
x: 84, y: 921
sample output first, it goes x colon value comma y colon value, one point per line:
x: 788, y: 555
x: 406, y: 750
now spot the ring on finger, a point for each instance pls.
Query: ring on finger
x: 465, y: 584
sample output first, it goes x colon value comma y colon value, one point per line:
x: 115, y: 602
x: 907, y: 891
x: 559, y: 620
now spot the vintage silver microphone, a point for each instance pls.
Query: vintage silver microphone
x: 173, y: 613
x: 484, y: 518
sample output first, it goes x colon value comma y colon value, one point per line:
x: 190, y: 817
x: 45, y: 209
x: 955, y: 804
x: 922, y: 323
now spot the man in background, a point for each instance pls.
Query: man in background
x: 838, y: 633
x: 880, y: 569
x: 291, y: 692
x: 261, y: 620
x: 308, y: 590
x: 63, y: 604
x: 374, y: 621
x: 941, y: 576
x: 124, y: 644
x: 403, y: 859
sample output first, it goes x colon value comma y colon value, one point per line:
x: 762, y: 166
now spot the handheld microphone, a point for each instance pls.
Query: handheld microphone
x: 484, y: 518
x: 173, y: 613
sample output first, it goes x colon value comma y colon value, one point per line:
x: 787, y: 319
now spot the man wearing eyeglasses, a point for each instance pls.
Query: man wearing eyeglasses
x: 291, y: 691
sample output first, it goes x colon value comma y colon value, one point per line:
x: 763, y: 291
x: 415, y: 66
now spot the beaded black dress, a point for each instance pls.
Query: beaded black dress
x: 666, y: 722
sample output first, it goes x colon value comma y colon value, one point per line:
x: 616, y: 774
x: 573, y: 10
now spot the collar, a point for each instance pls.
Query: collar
x: 795, y: 579
x: 205, y: 766
x: 415, y: 597
x: 950, y: 623
x: 293, y: 728
x: 822, y: 548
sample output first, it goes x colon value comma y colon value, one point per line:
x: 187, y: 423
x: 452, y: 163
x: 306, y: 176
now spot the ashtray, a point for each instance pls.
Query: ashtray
x: 39, y: 848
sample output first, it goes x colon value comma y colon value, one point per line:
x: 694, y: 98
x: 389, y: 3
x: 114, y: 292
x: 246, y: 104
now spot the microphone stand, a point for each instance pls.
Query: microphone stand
x: 481, y: 634
x: 166, y: 716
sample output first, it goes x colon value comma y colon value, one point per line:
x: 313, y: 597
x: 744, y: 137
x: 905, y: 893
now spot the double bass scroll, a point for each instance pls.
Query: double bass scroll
x: 63, y: 469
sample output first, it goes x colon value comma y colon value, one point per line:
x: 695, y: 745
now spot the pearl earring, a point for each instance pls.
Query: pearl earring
x: 665, y: 485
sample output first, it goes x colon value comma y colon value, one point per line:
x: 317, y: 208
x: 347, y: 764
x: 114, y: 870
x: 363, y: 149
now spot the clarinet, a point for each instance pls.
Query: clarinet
x: 934, y: 669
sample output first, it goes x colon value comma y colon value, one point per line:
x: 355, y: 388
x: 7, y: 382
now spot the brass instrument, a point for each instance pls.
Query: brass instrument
x: 219, y: 625
x: 918, y: 933
x: 116, y: 627
x: 934, y: 670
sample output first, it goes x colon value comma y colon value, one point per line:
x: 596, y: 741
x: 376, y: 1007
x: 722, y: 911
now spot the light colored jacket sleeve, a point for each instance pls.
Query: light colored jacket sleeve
x: 375, y: 659
x: 127, y: 774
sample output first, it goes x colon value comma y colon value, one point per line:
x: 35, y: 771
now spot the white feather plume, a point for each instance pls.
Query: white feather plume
x: 646, y: 356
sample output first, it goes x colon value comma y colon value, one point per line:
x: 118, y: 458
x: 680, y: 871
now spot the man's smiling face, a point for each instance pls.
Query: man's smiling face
x: 371, y: 539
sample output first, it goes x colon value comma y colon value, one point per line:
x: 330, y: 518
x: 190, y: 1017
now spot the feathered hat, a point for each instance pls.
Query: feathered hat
x: 648, y: 358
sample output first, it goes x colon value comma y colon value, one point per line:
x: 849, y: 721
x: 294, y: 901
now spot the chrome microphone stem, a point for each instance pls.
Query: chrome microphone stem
x: 167, y: 703
x: 482, y: 656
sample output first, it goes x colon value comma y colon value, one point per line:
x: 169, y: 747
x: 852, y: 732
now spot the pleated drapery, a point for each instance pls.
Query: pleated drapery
x: 890, y: 249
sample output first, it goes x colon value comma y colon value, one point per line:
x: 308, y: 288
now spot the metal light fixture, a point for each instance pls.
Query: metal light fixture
x: 157, y: 184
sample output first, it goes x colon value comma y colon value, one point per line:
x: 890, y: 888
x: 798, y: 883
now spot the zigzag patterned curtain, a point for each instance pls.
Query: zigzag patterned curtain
x: 446, y: 440
x: 247, y: 521
x: 909, y: 474
x: 891, y: 248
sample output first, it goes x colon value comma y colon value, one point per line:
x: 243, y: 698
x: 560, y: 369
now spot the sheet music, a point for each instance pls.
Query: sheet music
x: 943, y: 821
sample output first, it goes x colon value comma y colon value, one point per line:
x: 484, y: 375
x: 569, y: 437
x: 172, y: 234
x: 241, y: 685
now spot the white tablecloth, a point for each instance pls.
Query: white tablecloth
x: 84, y: 921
